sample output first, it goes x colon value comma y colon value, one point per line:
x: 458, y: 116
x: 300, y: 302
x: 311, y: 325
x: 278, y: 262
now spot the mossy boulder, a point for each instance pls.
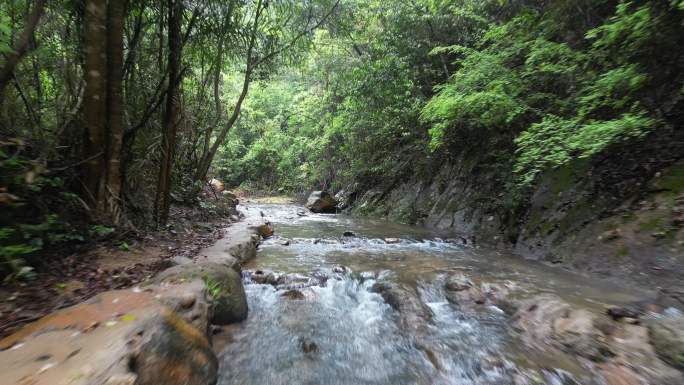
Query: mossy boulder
x: 224, y: 285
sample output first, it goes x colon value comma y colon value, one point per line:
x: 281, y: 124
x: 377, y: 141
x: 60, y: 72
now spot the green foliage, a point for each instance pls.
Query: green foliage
x: 5, y: 33
x: 101, y: 230
x: 214, y: 288
x: 558, y: 102
x: 124, y: 246
x: 627, y: 33
x: 555, y: 141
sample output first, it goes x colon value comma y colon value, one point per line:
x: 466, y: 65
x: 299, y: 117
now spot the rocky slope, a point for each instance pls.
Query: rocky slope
x: 626, y: 223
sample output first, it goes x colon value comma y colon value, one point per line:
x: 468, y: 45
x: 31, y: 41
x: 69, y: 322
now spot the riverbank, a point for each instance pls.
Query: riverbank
x: 631, y: 230
x: 158, y: 331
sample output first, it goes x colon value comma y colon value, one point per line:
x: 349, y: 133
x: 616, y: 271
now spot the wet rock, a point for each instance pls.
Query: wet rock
x: 321, y: 202
x: 293, y: 294
x: 223, y: 284
x: 293, y: 281
x: 535, y: 318
x: 301, y: 213
x: 265, y: 230
x: 667, y: 336
x: 461, y: 290
x: 285, y: 242
x: 576, y: 332
x: 458, y: 282
x: 308, y: 346
x: 491, y: 362
x: 391, y: 241
x: 263, y: 277
x: 633, y: 346
x: 320, y: 277
x: 349, y: 234
x: 414, y: 314
x: 617, y: 312
x: 339, y: 269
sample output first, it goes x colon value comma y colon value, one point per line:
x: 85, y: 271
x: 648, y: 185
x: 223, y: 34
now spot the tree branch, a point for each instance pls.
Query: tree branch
x: 299, y: 36
x: 21, y: 46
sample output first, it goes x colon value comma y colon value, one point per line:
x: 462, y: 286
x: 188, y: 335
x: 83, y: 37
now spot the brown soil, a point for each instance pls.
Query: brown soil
x: 95, y: 268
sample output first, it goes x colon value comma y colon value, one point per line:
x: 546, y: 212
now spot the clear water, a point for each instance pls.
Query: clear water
x: 344, y: 333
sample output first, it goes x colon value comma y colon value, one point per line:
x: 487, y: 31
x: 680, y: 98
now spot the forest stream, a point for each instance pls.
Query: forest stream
x: 319, y: 311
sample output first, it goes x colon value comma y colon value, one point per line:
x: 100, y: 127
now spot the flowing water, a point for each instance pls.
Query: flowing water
x: 343, y: 332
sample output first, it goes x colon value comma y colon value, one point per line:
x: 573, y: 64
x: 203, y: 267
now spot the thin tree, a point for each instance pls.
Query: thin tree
x: 94, y: 103
x: 171, y: 115
x: 116, y: 11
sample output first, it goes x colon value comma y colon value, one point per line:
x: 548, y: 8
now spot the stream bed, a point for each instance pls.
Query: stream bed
x: 342, y: 330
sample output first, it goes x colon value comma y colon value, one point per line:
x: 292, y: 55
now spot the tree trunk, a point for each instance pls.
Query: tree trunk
x: 208, y: 156
x: 115, y: 109
x: 94, y: 103
x: 171, y: 116
x: 20, y: 46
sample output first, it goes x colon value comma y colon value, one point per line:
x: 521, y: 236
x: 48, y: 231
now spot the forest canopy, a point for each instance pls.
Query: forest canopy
x: 112, y: 111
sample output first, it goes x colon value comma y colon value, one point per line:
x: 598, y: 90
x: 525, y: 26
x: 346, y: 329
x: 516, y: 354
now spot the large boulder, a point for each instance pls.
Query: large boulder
x: 224, y: 285
x: 321, y: 202
x: 123, y: 337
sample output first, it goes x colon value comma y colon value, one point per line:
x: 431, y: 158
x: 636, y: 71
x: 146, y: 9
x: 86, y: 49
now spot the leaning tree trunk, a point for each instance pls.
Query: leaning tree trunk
x: 94, y: 103
x: 171, y: 116
x: 210, y: 152
x: 21, y: 45
x: 115, y: 109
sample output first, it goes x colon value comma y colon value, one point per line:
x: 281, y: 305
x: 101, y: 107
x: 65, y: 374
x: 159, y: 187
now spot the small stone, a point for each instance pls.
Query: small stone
x: 188, y: 301
x: 349, y: 234
x: 308, y: 346
x: 617, y: 312
x: 391, y: 241
x: 293, y: 294
x: 489, y: 363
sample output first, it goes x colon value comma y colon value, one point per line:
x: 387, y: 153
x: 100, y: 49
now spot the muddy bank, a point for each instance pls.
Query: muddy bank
x: 157, y: 332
